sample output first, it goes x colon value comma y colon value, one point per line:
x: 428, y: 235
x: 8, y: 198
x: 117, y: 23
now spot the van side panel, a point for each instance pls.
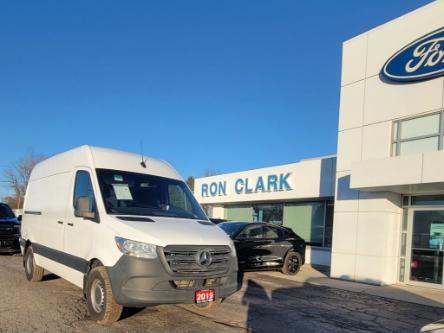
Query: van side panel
x: 74, y: 276
x: 50, y: 265
x: 44, y: 210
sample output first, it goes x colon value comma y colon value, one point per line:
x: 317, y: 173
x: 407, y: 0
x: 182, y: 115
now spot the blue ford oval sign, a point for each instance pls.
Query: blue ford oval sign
x: 420, y: 60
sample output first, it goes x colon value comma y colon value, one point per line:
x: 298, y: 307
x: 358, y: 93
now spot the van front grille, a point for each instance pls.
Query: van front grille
x: 188, y: 259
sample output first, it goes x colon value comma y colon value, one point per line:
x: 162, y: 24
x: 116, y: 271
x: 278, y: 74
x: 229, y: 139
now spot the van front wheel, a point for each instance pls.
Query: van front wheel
x: 33, y: 272
x: 102, y: 306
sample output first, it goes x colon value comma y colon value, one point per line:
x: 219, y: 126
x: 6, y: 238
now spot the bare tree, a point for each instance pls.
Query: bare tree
x: 17, y: 176
x: 190, y: 183
x: 210, y: 172
x: 11, y: 201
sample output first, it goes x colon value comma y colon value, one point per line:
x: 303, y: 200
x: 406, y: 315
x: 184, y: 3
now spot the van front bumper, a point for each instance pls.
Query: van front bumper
x: 140, y: 282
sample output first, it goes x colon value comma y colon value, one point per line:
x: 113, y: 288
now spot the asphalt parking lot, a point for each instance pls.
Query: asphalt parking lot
x: 264, y: 304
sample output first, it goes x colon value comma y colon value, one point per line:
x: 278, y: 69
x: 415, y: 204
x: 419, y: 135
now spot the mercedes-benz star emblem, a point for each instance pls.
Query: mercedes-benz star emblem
x: 204, y: 258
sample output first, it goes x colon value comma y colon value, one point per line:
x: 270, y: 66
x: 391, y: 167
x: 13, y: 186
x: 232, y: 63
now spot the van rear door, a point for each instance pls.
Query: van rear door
x: 45, y: 212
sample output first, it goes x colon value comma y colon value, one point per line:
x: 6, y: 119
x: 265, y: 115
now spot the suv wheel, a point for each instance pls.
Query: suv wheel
x: 33, y: 272
x: 102, y: 306
x: 292, y: 263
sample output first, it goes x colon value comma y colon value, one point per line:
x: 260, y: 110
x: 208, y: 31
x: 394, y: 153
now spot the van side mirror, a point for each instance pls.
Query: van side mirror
x: 19, y: 218
x: 82, y: 208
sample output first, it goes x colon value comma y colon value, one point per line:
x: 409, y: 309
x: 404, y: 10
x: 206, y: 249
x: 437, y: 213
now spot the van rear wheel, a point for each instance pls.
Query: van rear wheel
x: 33, y: 272
x: 102, y: 306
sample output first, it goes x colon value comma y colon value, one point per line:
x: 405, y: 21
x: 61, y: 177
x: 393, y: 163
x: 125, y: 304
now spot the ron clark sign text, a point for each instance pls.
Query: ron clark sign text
x: 270, y: 183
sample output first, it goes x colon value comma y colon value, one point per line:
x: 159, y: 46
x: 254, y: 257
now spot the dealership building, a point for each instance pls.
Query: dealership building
x: 375, y: 211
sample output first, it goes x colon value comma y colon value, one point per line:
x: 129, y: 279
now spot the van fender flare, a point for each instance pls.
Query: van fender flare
x: 92, y: 264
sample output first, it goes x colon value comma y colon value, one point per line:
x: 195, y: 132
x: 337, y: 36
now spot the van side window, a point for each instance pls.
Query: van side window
x: 83, y: 188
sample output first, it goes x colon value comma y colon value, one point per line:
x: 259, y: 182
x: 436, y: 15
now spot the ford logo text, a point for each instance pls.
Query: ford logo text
x: 422, y: 59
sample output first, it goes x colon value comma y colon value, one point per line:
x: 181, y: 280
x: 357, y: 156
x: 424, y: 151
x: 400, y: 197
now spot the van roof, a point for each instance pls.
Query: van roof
x: 106, y: 158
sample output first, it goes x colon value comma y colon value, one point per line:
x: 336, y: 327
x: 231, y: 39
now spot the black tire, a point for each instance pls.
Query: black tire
x: 292, y: 263
x: 102, y: 306
x: 207, y: 306
x: 33, y: 272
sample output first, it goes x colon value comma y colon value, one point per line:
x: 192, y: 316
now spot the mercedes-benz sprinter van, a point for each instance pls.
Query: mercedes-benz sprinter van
x: 127, y: 231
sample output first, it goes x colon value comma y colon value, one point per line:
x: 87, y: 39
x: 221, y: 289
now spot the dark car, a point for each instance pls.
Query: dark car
x: 217, y: 221
x: 262, y: 246
x: 9, y: 230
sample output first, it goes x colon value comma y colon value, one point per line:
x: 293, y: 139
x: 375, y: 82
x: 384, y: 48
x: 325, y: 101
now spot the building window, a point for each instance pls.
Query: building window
x: 423, y: 200
x: 328, y: 230
x: 313, y: 221
x: 272, y: 213
x: 418, y: 135
x: 239, y: 213
x: 403, y: 254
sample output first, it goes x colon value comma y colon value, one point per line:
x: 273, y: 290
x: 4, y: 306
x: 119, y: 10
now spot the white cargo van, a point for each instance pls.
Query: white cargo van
x: 129, y: 233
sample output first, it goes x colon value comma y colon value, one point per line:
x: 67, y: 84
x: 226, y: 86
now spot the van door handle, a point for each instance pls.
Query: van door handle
x: 71, y: 224
x: 60, y: 222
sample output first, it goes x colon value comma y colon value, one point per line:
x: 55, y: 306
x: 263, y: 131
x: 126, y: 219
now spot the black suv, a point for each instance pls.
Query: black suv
x: 9, y: 230
x: 263, y: 246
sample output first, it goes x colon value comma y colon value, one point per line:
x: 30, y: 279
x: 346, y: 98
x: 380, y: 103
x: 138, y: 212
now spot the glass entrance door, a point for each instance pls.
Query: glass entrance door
x: 426, y: 251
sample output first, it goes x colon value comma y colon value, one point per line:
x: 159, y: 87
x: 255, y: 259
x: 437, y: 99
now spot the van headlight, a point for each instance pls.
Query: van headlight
x: 136, y: 249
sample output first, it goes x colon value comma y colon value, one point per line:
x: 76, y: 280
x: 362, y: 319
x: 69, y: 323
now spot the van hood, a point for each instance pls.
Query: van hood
x: 163, y: 231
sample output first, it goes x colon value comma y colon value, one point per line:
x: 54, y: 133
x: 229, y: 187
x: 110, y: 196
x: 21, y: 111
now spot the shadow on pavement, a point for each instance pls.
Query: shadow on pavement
x: 129, y: 312
x: 50, y: 277
x: 286, y: 306
x: 253, y: 297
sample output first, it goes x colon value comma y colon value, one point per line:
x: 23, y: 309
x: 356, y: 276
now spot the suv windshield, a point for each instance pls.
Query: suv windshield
x: 232, y: 228
x: 6, y: 212
x: 130, y: 193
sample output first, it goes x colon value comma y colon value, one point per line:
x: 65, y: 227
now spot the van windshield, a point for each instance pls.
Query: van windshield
x: 130, y: 193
